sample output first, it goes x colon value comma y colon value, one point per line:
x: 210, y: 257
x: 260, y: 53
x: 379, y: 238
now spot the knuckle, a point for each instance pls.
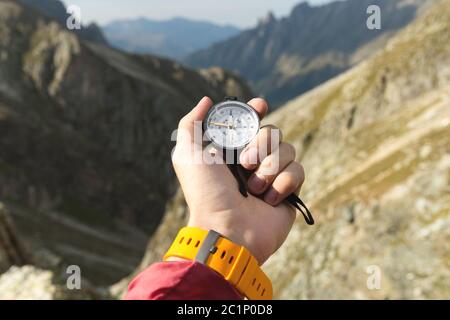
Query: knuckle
x: 264, y: 133
x: 302, y: 172
x: 270, y: 127
x: 183, y: 122
x: 289, y: 150
x: 268, y: 130
x: 269, y: 166
x: 270, y: 136
x: 291, y: 181
x: 296, y: 169
x: 273, y: 132
x: 300, y: 175
x: 264, y: 176
x: 258, y: 99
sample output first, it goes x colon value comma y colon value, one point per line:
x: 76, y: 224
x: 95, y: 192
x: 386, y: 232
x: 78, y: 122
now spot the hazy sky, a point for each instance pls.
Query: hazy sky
x: 241, y: 13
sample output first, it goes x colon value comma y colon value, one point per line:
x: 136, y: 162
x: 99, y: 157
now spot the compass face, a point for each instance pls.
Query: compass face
x: 231, y: 124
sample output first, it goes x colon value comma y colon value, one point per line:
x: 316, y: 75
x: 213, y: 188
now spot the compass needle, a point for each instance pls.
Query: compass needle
x: 219, y: 124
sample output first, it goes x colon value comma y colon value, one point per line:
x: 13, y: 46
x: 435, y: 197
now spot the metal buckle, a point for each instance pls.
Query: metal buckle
x: 208, y: 246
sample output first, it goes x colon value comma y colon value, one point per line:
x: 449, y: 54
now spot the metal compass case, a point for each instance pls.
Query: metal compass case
x: 231, y: 125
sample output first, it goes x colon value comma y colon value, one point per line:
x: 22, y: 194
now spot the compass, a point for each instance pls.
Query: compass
x: 231, y: 125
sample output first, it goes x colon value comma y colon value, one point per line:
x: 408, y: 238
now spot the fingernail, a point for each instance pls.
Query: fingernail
x: 203, y: 100
x: 271, y: 197
x: 256, y: 184
x: 250, y: 158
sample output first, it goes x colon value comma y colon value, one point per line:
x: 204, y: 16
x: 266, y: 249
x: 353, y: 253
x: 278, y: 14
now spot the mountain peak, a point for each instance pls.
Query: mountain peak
x: 267, y: 19
x: 301, y: 8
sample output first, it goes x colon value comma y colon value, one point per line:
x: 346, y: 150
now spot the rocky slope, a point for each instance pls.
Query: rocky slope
x: 29, y: 282
x: 286, y: 57
x: 85, y: 136
x: 56, y: 10
x: 375, y: 143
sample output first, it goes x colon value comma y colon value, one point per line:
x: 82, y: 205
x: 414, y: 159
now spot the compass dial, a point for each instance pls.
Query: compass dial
x: 231, y: 124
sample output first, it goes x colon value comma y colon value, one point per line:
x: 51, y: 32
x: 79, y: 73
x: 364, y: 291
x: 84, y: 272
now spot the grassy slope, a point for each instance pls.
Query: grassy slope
x: 375, y: 143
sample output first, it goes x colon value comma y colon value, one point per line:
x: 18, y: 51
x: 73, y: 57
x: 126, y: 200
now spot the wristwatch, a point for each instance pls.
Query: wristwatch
x: 234, y: 262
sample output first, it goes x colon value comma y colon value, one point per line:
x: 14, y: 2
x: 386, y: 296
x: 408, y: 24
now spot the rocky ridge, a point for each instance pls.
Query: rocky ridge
x: 286, y: 57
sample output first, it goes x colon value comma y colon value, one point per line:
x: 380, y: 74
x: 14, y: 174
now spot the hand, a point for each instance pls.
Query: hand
x: 260, y: 222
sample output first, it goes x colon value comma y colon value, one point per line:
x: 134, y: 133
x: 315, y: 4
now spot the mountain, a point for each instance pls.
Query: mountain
x: 174, y: 38
x: 85, y: 140
x: 375, y: 144
x: 283, y: 58
x: 55, y: 9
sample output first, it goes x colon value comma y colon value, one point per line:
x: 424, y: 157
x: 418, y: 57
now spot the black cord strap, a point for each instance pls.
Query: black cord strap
x: 234, y: 168
x: 294, y: 200
x: 241, y: 175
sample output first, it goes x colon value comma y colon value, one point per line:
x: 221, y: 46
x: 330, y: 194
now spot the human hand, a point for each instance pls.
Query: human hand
x: 260, y: 222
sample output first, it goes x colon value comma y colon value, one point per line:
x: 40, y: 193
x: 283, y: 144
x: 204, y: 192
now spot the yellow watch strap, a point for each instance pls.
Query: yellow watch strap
x: 232, y: 261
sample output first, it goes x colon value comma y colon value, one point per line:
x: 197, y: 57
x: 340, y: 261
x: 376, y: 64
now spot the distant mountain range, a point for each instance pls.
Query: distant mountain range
x: 174, y: 38
x: 286, y: 57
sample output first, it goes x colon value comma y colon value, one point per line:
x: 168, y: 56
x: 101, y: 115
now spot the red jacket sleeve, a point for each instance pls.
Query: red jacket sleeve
x: 180, y: 280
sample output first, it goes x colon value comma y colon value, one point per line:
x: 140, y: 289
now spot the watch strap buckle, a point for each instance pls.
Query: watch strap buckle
x: 208, y: 246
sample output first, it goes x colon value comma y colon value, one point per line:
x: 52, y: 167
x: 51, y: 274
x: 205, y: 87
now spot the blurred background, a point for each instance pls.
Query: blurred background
x: 90, y: 92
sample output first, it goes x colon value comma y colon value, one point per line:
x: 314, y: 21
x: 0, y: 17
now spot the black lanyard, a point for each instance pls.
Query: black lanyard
x: 242, y: 175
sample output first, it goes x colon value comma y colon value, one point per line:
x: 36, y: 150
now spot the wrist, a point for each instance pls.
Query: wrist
x: 235, y: 234
x: 231, y: 260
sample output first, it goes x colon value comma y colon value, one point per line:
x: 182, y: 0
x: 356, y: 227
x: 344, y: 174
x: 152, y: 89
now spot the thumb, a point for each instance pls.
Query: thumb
x: 191, y: 123
x: 198, y: 113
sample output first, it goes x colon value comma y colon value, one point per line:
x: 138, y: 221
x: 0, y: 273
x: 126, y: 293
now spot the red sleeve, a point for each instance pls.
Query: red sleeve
x: 180, y: 280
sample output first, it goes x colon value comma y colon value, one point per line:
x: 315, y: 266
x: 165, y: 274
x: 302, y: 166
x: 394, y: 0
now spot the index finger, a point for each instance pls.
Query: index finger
x: 260, y: 105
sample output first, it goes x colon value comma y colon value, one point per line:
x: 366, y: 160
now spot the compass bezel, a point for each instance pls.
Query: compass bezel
x: 229, y: 104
